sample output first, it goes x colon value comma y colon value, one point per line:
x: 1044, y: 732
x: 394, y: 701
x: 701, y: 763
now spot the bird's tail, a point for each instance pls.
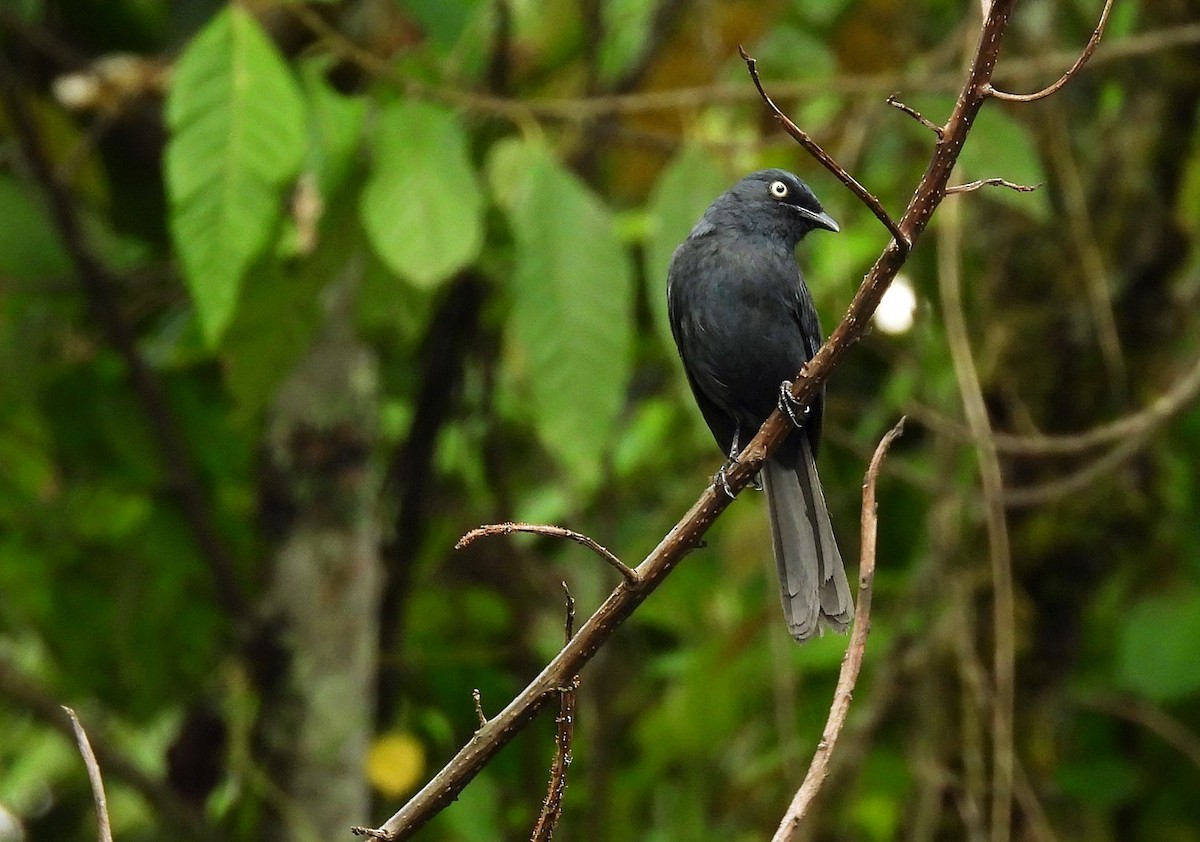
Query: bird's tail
x: 816, y: 595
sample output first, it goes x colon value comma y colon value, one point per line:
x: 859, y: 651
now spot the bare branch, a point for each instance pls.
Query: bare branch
x: 93, y: 771
x: 972, y: 186
x: 547, y: 821
x: 1092, y: 43
x: 852, y: 663
x: 916, y: 115
x: 825, y: 159
x: 1076, y: 482
x: 630, y: 575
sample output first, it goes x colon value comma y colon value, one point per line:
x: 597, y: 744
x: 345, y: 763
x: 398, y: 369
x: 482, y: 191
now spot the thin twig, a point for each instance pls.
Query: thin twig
x: 478, y: 699
x: 972, y: 186
x: 564, y: 732
x: 894, y: 101
x: 1092, y: 43
x: 93, y: 771
x: 852, y: 662
x: 630, y: 575
x: 826, y: 160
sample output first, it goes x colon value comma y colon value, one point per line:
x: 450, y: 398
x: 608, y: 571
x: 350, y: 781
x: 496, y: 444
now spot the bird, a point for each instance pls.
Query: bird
x: 744, y: 322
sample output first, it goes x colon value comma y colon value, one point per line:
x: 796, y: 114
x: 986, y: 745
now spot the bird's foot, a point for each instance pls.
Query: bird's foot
x: 790, y: 407
x: 721, y: 480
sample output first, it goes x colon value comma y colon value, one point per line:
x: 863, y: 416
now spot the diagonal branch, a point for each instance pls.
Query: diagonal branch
x: 826, y: 160
x: 1092, y: 43
x: 852, y: 663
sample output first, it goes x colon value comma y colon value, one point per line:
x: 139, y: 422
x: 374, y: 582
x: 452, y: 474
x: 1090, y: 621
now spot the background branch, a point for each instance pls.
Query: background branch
x: 99, y: 286
x: 1004, y: 646
x: 1178, y: 396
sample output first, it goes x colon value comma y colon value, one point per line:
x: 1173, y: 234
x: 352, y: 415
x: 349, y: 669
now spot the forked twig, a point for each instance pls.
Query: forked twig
x: 802, y: 137
x: 852, y: 663
x: 630, y: 575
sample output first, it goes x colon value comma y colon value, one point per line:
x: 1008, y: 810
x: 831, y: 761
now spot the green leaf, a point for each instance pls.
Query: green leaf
x: 423, y: 206
x: 572, y: 307
x: 28, y: 248
x: 237, y: 134
x: 1157, y: 649
x: 684, y: 190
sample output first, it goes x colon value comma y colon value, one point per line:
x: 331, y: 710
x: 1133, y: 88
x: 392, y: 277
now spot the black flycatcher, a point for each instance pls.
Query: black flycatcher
x: 744, y: 322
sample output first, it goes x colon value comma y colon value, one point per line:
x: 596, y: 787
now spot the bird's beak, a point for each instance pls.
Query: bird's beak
x: 821, y: 220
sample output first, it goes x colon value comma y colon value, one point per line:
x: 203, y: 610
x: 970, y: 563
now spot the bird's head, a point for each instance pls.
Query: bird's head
x: 773, y: 202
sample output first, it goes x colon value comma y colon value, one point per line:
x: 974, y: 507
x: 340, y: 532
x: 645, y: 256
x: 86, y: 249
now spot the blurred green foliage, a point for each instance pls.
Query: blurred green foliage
x: 546, y: 158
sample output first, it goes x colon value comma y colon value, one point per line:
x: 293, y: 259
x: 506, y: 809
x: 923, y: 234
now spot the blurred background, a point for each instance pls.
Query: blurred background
x: 292, y: 295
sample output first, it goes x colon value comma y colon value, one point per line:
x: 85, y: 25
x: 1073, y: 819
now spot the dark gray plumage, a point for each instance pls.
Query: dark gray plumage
x: 744, y: 322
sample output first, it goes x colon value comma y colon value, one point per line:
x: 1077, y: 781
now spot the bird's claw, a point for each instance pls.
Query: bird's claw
x: 789, y: 406
x: 721, y: 480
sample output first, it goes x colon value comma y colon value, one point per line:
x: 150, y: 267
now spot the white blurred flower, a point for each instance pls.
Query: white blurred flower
x: 898, y: 307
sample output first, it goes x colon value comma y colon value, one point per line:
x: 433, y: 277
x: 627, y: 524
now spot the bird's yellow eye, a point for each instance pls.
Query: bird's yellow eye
x: 778, y: 189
